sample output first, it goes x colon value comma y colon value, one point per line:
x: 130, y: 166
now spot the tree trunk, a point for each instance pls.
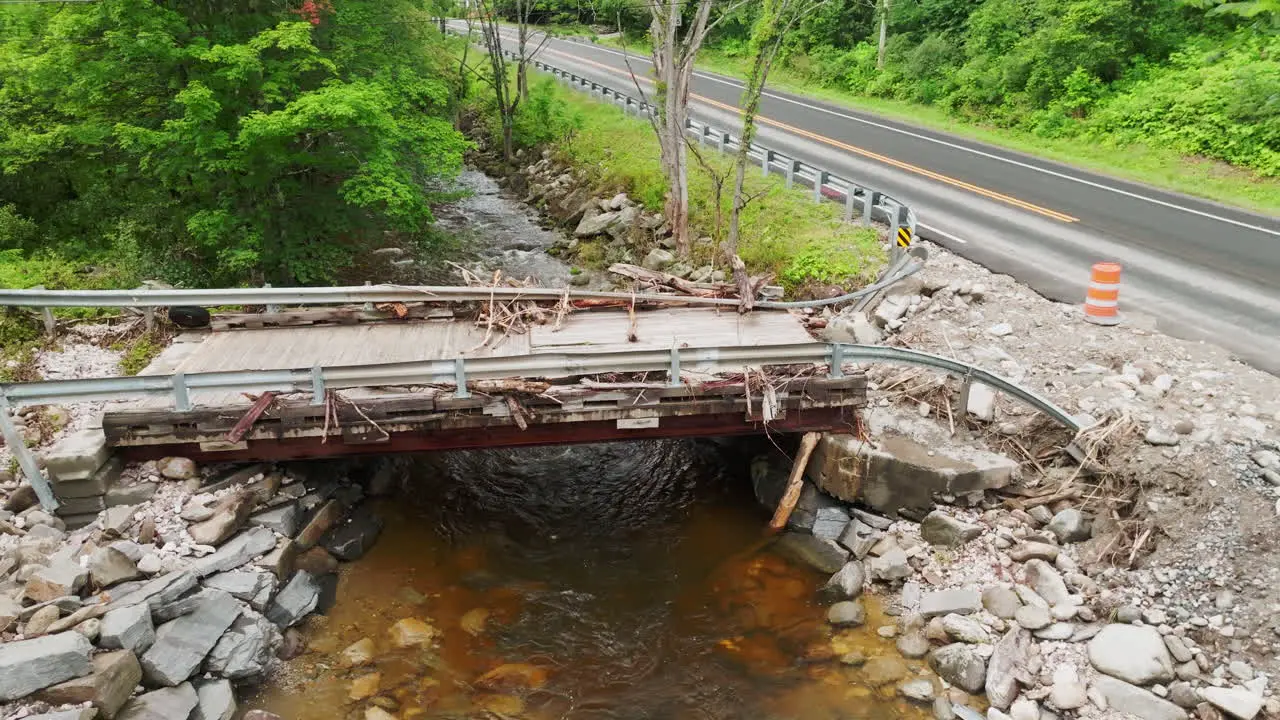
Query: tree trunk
x: 884, y: 33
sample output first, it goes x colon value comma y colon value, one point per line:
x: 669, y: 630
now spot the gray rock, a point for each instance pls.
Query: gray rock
x: 1133, y: 653
x: 254, y: 588
x: 1023, y: 552
x: 61, y: 579
x: 1241, y: 670
x: 30, y: 665
x: 1128, y: 614
x: 939, y: 528
x: 852, y: 328
x: 1183, y: 695
x: 115, y: 675
x: 1126, y: 698
x: 128, y: 628
x: 961, y: 601
x: 298, y: 598
x: 849, y: 612
x: 846, y: 583
x: 182, y: 644
x: 1032, y: 617
x: 913, y: 644
x: 961, y: 665
x: 1001, y: 601
x: 859, y: 537
x: 184, y: 605
x: 965, y: 629
x: 942, y: 709
x: 1048, y: 584
x: 352, y: 539
x: 1178, y: 649
x: 890, y: 566
x: 245, y: 649
x: 1070, y: 526
x: 108, y: 566
x: 172, y: 703
x: 1237, y: 702
x: 229, y: 515
x: 1007, y: 659
x: 920, y: 690
x: 1058, y: 631
x: 890, y: 309
x: 155, y: 592
x: 130, y: 494
x: 819, y: 553
x: 829, y: 522
x: 1024, y: 709
x: 286, y: 519
x: 658, y: 259
x: 216, y: 700
x: 41, y: 620
x: 116, y: 520
x: 236, y: 552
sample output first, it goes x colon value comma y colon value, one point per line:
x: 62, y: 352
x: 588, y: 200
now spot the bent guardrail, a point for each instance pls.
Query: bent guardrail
x: 458, y: 371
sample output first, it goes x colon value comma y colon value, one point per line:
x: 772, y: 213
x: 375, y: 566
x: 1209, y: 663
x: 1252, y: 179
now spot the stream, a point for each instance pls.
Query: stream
x: 618, y: 581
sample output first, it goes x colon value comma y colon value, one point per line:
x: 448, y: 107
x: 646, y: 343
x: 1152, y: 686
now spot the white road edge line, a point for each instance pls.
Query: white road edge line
x: 943, y: 233
x: 974, y: 151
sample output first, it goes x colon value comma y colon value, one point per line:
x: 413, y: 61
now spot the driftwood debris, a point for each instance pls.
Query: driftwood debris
x: 259, y: 406
x: 794, y: 483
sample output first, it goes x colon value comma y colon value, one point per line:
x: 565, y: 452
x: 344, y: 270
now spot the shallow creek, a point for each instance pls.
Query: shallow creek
x: 620, y: 581
x: 624, y: 581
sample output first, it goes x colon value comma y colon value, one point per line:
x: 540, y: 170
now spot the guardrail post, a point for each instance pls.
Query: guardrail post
x: 848, y: 202
x: 460, y: 379
x: 766, y: 161
x: 18, y: 446
x: 836, y: 369
x: 724, y: 141
x: 317, y: 385
x: 966, y: 384
x: 819, y: 179
x: 46, y: 314
x: 869, y: 199
x: 181, y: 398
x: 674, y: 380
x: 368, y: 307
x: 791, y: 172
x: 271, y: 309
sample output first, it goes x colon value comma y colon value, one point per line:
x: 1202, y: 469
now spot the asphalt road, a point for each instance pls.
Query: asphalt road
x: 1194, y: 268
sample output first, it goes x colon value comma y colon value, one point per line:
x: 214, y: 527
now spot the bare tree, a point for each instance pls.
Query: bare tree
x: 673, y: 57
x: 883, y: 10
x: 508, y: 100
x: 775, y: 19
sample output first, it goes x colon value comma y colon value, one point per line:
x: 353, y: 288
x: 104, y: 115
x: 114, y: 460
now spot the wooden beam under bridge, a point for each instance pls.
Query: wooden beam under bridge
x: 434, y: 419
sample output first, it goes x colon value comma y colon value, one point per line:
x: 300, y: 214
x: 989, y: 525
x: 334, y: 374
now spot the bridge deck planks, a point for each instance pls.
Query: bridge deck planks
x: 302, y: 347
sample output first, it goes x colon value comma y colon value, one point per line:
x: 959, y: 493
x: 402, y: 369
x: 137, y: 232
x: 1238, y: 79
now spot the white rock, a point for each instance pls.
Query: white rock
x: 1235, y: 701
x: 982, y: 402
x: 1133, y: 653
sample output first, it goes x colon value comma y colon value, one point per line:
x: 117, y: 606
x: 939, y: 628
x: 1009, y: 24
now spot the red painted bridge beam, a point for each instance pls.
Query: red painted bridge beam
x: 838, y: 419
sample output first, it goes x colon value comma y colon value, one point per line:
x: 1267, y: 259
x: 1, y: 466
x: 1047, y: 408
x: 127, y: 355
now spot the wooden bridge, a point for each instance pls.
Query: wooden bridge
x: 598, y: 375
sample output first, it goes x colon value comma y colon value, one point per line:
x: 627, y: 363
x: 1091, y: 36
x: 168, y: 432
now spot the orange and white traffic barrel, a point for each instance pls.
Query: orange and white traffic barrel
x: 1102, y: 301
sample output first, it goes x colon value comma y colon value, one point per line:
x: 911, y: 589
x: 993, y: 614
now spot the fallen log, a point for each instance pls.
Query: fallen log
x: 795, y: 483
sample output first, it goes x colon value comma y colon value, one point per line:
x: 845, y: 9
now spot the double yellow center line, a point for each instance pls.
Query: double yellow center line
x: 990, y: 194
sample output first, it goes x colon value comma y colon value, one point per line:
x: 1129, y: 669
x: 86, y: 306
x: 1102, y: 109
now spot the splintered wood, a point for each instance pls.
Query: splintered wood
x: 795, y: 482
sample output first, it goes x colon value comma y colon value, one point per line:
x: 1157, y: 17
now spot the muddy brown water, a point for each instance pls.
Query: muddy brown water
x: 623, y: 581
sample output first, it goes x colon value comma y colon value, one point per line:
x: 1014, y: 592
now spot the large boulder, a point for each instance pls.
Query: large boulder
x: 298, y: 598
x: 1134, y: 653
x: 182, y: 644
x: 818, y: 553
x: 846, y: 583
x: 229, y: 515
x: 353, y: 538
x: 108, y: 688
x: 961, y: 665
x: 245, y: 650
x: 165, y: 704
x: 236, y: 552
x: 594, y: 223
x: 939, y: 528
x: 1125, y: 698
x: 30, y: 665
x: 128, y: 628
x: 254, y: 588
x: 216, y: 701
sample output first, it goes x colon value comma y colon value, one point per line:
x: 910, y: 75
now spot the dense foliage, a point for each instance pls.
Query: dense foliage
x: 222, y: 142
x: 1201, y: 77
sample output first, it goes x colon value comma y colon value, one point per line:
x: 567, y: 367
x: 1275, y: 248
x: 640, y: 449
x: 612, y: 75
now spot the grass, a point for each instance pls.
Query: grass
x: 1196, y: 176
x: 139, y: 351
x: 805, y: 244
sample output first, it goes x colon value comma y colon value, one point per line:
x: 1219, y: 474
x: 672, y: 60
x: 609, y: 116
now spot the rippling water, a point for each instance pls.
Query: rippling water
x: 633, y: 578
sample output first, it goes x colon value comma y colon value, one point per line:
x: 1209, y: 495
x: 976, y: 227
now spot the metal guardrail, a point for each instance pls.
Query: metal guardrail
x: 458, y: 371
x: 864, y: 201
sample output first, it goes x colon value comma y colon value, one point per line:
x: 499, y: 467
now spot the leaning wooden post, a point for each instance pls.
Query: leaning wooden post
x: 794, y: 483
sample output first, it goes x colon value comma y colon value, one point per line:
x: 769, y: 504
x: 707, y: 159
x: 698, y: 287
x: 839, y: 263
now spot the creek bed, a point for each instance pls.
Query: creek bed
x: 623, y: 580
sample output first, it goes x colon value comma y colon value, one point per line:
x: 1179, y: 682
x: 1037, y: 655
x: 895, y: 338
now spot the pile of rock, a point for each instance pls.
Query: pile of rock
x: 995, y: 603
x: 182, y: 595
